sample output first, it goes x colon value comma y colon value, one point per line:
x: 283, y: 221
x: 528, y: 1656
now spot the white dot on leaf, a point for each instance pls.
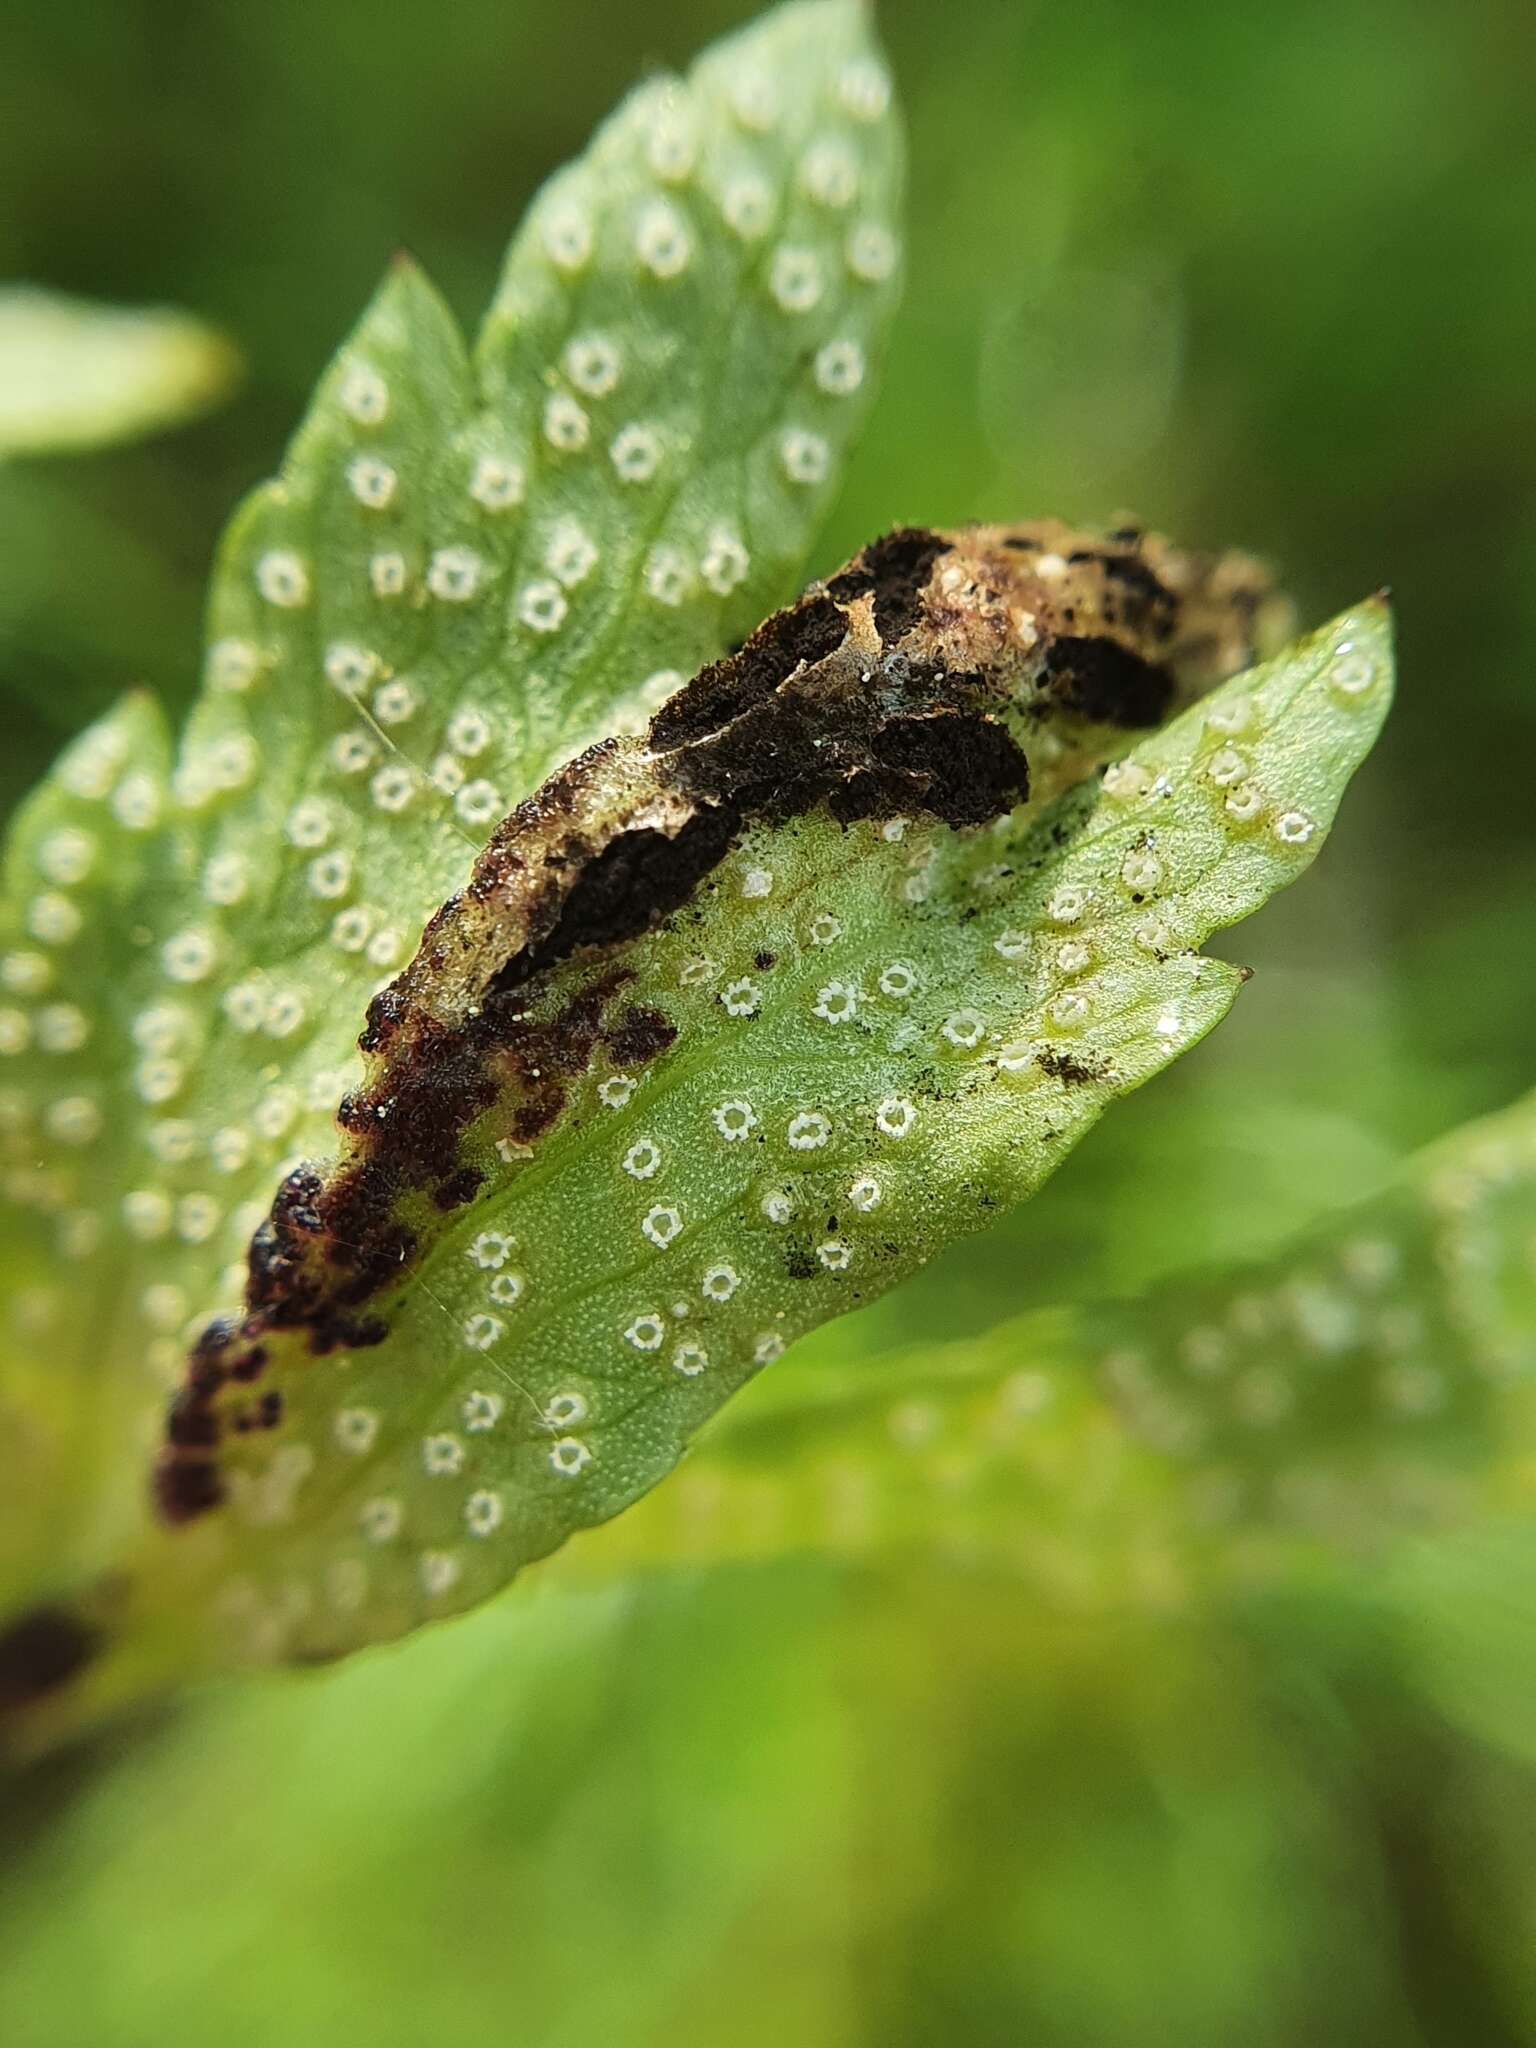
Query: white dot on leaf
x: 442, y: 1455
x: 439, y: 1572
x: 662, y: 241
x: 454, y: 574
x: 840, y: 368
x: 747, y: 204
x: 895, y: 1117
x: 380, y: 1520
x: 567, y: 237
x: 481, y: 1411
x: 483, y: 1511
x: 479, y: 802
x: 734, y: 1120
x: 964, y: 1028
x: 283, y: 578
x: 593, y: 363
x: 233, y: 665
x: 864, y: 89
x: 496, y: 483
x: 386, y: 573
x: 636, y: 453
x: 754, y: 101
x: 348, y: 667
x: 355, y: 1430
x: 837, y: 1002
x: 371, y: 482
x: 808, y: 1130
x: 795, y: 279
x: 668, y: 576
x: 1294, y: 828
x: 805, y: 457
x: 725, y: 562
x: 571, y: 555
x: 871, y: 252
x: 1141, y: 872
x: 542, y: 606
x: 364, y: 394
x: 189, y: 956
x: 829, y: 172
x: 566, y: 426
x: 642, y: 1159
x: 661, y: 1225
x: 1067, y: 904
x: 740, y: 998
x: 54, y: 919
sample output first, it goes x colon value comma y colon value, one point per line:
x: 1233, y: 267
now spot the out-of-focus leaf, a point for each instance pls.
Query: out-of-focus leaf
x: 74, y: 374
x: 1372, y: 1384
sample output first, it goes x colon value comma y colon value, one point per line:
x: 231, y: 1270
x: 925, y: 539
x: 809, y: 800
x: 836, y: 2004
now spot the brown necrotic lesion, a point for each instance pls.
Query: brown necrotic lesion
x: 944, y: 675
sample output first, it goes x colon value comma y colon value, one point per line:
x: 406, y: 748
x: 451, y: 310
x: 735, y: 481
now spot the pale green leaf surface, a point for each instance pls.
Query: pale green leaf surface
x: 465, y: 571
x: 1371, y: 1384
x: 74, y: 374
x: 941, y: 1016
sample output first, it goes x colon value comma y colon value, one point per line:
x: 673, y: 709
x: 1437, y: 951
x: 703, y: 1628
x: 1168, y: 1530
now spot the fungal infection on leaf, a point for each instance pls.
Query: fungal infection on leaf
x: 507, y: 1019
x: 560, y: 1045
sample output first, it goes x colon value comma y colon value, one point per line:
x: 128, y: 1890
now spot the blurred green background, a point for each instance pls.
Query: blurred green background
x: 1265, y: 277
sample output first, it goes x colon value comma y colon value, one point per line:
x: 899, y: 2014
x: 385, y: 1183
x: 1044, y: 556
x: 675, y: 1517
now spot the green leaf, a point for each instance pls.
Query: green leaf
x: 1371, y: 1383
x: 591, y: 1188
x: 467, y: 568
x: 78, y: 375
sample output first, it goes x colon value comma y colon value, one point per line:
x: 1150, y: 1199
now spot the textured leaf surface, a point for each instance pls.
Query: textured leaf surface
x: 851, y: 1041
x: 1376, y: 1380
x: 466, y: 568
x: 76, y: 375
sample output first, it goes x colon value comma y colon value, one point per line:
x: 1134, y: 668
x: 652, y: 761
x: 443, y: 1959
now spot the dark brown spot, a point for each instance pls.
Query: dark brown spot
x: 537, y: 1113
x: 963, y: 769
x: 1101, y: 680
x: 191, y: 1423
x: 636, y: 881
x: 458, y: 1188
x: 41, y: 1651
x: 895, y: 570
x: 186, y: 1487
x: 639, y: 1037
x: 802, y: 634
x: 1066, y: 1066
